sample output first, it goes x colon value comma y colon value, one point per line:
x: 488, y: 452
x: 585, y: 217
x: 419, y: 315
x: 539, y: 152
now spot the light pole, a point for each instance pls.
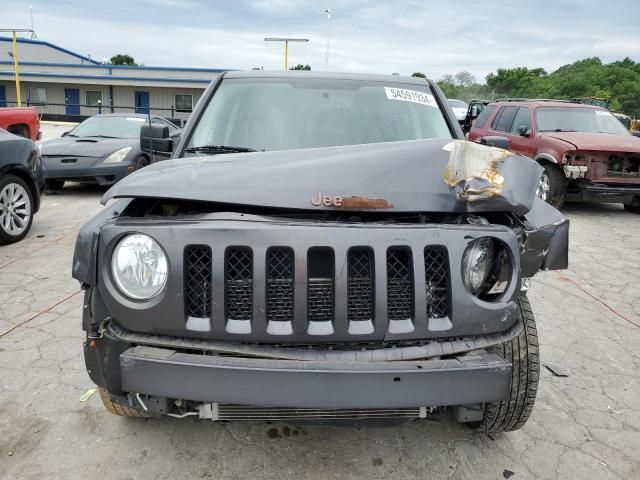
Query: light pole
x: 286, y: 41
x: 16, y: 67
x: 326, y: 58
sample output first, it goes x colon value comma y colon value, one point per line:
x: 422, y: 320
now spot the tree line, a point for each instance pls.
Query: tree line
x: 617, y: 81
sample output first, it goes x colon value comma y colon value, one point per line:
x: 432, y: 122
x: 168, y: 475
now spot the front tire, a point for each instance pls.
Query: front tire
x: 16, y: 209
x: 142, y: 162
x: 514, y: 411
x: 119, y: 409
x: 552, y: 185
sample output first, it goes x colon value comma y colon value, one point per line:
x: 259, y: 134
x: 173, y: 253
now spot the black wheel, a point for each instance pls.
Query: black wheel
x: 119, y: 409
x: 513, y: 412
x: 552, y: 185
x: 16, y: 209
x: 20, y: 130
x: 142, y: 162
x: 53, y: 184
x: 632, y: 208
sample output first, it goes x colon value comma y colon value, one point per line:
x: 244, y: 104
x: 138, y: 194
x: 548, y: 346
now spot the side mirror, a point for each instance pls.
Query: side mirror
x: 524, y: 131
x: 64, y: 134
x: 156, y: 136
x: 495, y: 141
x: 474, y: 112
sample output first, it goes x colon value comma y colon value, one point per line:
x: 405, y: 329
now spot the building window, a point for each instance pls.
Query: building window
x: 184, y: 102
x: 93, y: 98
x: 37, y: 96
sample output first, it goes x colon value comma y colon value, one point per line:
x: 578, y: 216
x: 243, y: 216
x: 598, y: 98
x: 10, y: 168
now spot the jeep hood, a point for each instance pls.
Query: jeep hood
x: 597, y: 142
x: 425, y: 175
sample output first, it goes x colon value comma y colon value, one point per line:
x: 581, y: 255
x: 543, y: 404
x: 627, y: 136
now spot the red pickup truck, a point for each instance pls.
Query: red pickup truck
x: 21, y: 121
x: 587, y: 154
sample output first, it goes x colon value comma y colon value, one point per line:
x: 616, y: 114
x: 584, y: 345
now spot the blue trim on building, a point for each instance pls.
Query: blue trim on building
x: 107, y: 77
x: 47, y: 44
x: 120, y: 67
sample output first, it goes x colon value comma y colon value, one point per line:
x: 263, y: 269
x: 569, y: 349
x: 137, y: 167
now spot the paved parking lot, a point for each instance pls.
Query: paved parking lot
x: 586, y: 425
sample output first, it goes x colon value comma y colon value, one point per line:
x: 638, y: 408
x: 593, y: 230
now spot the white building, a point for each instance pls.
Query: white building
x: 64, y: 84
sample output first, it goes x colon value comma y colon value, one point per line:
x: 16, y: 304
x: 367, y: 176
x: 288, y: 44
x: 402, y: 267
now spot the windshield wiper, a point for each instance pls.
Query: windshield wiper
x: 219, y: 149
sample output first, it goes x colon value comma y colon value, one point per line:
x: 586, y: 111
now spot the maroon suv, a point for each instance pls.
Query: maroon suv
x: 587, y: 154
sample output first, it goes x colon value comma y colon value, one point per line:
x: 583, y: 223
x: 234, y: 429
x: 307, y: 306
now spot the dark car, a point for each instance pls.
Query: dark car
x: 103, y: 149
x: 358, y: 260
x: 21, y: 181
x: 586, y: 152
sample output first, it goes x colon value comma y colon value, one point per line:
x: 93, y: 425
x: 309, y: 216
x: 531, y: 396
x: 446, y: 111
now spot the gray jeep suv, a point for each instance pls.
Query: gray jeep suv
x: 320, y: 247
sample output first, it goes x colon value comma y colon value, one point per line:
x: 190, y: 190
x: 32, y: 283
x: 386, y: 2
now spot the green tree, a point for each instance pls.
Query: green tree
x: 418, y: 74
x: 122, y: 59
x: 464, y: 79
x: 300, y: 67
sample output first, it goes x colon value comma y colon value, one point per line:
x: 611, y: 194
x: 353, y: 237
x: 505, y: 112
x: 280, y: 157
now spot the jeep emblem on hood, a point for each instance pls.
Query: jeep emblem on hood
x: 350, y: 202
x: 326, y: 200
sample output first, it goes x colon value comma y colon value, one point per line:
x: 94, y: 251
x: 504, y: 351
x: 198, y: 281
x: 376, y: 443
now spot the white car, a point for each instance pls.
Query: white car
x: 459, y: 108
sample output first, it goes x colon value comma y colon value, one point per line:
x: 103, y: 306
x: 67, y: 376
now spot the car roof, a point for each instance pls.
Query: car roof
x: 134, y: 115
x: 327, y: 75
x: 547, y: 103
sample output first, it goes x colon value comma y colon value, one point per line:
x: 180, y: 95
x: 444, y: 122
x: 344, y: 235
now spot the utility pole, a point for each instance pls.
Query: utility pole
x: 16, y: 66
x: 326, y: 58
x: 286, y: 41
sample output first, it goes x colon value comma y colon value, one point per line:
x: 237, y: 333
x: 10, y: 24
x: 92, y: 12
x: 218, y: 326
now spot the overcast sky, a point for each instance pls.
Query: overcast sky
x: 404, y: 36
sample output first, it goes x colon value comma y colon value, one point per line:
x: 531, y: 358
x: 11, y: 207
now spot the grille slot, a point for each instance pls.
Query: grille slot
x: 280, y: 284
x: 197, y: 280
x: 436, y: 279
x: 399, y: 284
x: 239, y: 284
x: 320, y: 284
x: 360, y: 284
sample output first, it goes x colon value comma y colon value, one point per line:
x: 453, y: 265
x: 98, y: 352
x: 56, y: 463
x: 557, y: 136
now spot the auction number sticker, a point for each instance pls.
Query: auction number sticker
x: 413, y: 96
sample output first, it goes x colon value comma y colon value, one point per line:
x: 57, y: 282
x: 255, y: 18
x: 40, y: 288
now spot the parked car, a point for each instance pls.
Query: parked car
x: 22, y: 121
x: 586, y: 153
x: 473, y: 111
x: 21, y: 181
x: 459, y: 108
x: 357, y: 259
x: 103, y: 149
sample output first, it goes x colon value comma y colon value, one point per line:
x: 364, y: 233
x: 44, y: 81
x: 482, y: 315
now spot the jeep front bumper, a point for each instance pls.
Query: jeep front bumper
x: 472, y: 378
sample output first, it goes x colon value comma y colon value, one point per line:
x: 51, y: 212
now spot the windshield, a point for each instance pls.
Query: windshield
x: 106, y: 126
x: 457, y: 104
x: 578, y: 119
x: 283, y: 114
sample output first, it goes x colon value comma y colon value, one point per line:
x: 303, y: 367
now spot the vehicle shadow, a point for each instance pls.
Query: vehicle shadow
x: 77, y: 190
x: 294, y: 450
x: 585, y: 208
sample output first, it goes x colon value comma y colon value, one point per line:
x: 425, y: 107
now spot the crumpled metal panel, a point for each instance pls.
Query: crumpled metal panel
x: 437, y: 175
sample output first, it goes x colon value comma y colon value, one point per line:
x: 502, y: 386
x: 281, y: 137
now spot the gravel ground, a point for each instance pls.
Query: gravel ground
x: 585, y: 425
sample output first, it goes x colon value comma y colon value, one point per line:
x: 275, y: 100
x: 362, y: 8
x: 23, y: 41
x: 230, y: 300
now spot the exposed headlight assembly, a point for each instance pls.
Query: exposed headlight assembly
x: 139, y: 267
x: 118, y: 155
x: 477, y: 263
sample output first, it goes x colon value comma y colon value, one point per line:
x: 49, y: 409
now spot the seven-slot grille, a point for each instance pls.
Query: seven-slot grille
x: 320, y: 304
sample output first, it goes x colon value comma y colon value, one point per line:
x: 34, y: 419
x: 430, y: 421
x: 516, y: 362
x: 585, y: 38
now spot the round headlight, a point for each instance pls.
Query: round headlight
x: 477, y: 262
x: 139, y: 267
